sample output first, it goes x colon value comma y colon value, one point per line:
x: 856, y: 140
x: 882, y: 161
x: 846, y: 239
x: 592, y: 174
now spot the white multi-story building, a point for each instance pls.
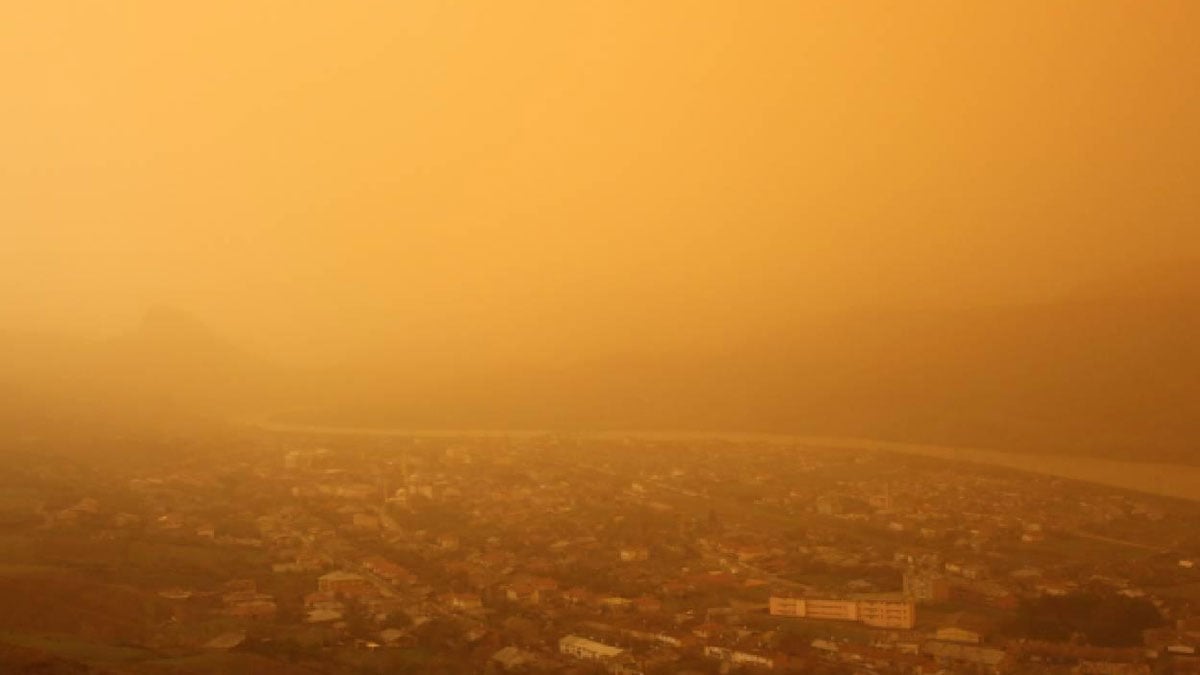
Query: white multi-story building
x: 833, y: 610
x: 880, y: 613
x: 786, y: 606
x: 887, y: 613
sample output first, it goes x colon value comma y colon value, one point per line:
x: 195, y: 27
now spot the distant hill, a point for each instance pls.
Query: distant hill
x: 1112, y: 370
x: 167, y: 373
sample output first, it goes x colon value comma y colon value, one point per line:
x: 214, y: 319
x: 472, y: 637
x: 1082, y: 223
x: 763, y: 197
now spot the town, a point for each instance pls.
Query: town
x: 314, y: 552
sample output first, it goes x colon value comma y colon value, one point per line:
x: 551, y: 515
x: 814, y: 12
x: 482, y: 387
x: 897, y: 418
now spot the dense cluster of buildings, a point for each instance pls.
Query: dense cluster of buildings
x: 544, y: 553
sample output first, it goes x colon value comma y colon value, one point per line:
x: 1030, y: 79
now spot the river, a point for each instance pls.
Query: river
x: 1167, y: 480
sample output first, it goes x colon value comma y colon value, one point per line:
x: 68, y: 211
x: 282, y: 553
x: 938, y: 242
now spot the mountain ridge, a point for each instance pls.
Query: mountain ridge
x: 1094, y: 372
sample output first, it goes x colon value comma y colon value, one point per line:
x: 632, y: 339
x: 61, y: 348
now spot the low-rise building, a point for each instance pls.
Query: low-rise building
x: 365, y: 521
x: 956, y: 634
x: 462, y: 601
x: 925, y: 586
x: 342, y: 582
x: 951, y: 652
x: 583, y: 648
x: 522, y: 592
x: 388, y: 570
x: 634, y: 553
x: 738, y: 658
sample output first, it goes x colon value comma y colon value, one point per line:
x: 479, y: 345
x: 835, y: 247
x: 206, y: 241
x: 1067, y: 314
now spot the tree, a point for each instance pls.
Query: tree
x: 1101, y: 620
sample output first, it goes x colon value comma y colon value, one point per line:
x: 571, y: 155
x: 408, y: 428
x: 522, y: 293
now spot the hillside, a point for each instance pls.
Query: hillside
x: 1108, y: 374
x: 167, y: 375
x: 1112, y: 370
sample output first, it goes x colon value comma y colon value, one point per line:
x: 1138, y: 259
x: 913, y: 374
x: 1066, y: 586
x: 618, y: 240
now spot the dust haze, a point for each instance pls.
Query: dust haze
x: 801, y: 217
x: 642, y: 338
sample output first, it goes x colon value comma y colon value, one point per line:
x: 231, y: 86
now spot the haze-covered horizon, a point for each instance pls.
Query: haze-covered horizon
x: 927, y: 223
x: 1175, y: 278
x: 1105, y: 370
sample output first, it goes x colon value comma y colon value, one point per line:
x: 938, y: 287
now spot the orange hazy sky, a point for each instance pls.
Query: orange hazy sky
x: 323, y: 179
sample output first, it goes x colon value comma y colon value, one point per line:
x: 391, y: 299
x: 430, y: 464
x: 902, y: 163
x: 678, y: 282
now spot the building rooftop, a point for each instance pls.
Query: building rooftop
x: 590, y: 645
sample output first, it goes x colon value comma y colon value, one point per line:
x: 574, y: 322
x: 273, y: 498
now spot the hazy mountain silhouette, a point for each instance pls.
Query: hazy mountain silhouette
x: 1112, y: 369
x: 170, y: 370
